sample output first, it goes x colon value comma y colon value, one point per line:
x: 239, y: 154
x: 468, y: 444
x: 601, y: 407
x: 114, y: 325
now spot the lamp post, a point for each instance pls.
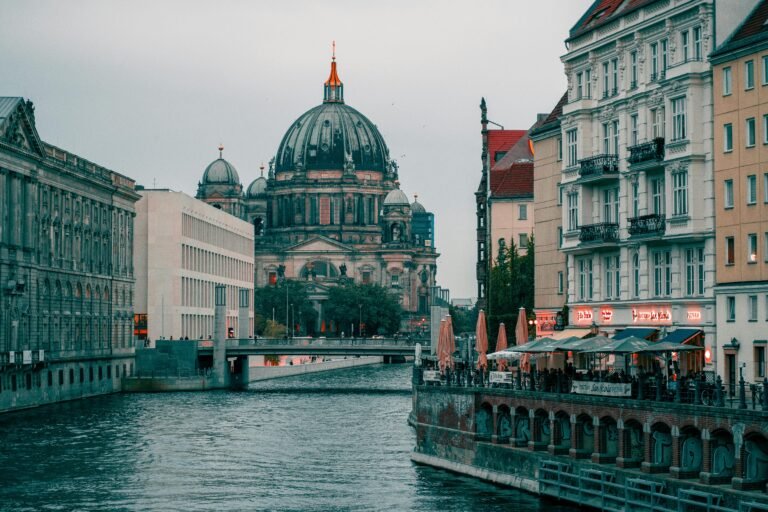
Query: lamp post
x: 360, y: 318
x: 293, y: 320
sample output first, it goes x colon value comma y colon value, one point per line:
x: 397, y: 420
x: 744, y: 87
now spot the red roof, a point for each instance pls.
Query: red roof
x: 514, y: 182
x: 502, y: 140
x: 601, y: 11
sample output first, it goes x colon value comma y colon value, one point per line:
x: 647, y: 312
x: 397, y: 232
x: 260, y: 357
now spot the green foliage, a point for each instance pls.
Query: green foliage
x: 511, y: 287
x: 274, y: 329
x: 350, y: 303
x: 463, y: 320
x: 271, y: 298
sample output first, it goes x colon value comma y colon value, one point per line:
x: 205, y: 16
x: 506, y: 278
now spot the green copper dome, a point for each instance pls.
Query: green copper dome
x: 327, y: 137
x: 332, y: 136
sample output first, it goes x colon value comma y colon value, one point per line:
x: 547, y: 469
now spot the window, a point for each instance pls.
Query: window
x: 523, y: 212
x: 759, y: 361
x: 633, y: 69
x: 572, y: 140
x: 636, y: 275
x: 633, y: 130
x: 752, y: 248
x: 730, y: 251
x: 615, y: 128
x: 498, y: 155
x: 635, y: 199
x: 765, y: 69
x: 654, y: 61
x: 727, y: 137
x: 678, y: 119
x: 573, y: 211
x: 662, y: 273
x: 685, y: 42
x: 697, y: 43
x: 612, y: 278
x: 680, y: 193
x: 606, y: 138
x: 523, y: 240
x: 728, y: 194
x: 559, y: 236
x: 657, y: 196
x: 395, y: 279
x: 664, y: 59
x: 765, y: 248
x: 657, y: 123
x: 694, y: 271
x: 366, y: 275
x: 752, y: 189
x: 560, y: 282
x: 579, y: 85
x: 611, y: 205
x: 750, y: 135
x: 749, y: 75
x: 730, y: 307
x: 606, y: 90
x: 559, y: 194
x: 588, y: 83
x: 765, y: 129
x: 585, y: 279
x: 765, y: 187
x: 559, y: 149
x: 615, y: 76
x: 727, y: 81
x: 752, y: 301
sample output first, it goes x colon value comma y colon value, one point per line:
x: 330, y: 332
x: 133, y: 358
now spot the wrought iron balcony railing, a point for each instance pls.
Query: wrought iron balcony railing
x: 647, y: 225
x: 647, y: 151
x: 602, y: 232
x: 599, y: 165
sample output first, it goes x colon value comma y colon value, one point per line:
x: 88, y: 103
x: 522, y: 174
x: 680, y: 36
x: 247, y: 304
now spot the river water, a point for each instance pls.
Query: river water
x: 322, y: 442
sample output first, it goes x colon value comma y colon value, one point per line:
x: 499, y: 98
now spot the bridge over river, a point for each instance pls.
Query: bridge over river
x: 386, y: 347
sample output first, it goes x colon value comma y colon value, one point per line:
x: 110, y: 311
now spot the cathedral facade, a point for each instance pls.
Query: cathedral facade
x: 331, y: 209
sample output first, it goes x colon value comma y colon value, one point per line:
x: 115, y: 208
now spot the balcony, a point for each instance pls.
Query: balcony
x: 652, y: 151
x: 599, y: 167
x: 652, y: 224
x: 600, y: 233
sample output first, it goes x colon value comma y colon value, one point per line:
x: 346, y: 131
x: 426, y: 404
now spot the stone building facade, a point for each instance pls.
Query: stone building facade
x: 184, y: 248
x: 637, y: 180
x: 740, y: 70
x: 66, y: 269
x: 331, y: 208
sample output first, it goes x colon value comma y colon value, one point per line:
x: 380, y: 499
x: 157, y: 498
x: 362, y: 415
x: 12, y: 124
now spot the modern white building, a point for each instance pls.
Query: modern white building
x: 637, y: 174
x: 183, y: 248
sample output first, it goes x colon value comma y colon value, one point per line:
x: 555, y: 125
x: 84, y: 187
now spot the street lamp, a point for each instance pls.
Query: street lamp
x: 293, y: 320
x: 360, y: 319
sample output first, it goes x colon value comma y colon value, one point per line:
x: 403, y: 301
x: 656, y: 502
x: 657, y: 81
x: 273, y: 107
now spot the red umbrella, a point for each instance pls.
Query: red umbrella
x: 441, y: 342
x: 521, y: 337
x: 481, y: 341
x: 450, y: 345
x: 501, y: 344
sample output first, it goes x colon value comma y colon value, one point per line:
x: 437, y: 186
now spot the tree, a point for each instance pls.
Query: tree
x: 271, y: 299
x: 511, y: 287
x: 464, y: 320
x: 370, y: 304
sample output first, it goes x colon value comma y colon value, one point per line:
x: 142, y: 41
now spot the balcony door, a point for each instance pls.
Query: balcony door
x: 657, y: 196
x: 611, y: 205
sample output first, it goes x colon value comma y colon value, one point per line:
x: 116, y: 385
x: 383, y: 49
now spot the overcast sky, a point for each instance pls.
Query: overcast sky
x: 150, y: 88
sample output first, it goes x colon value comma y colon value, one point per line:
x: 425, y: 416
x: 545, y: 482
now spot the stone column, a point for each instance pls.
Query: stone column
x: 706, y: 458
x: 675, y: 470
x: 621, y: 448
x: 220, y: 364
x: 243, y: 320
x: 645, y: 466
x: 554, y: 434
x: 533, y: 430
x: 495, y: 425
x: 598, y: 444
x: 576, y: 434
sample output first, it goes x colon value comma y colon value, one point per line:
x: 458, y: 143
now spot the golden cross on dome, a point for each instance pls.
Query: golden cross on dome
x: 221, y: 149
x: 334, y: 49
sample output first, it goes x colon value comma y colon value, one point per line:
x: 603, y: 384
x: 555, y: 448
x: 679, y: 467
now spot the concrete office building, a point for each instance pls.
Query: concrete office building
x: 183, y: 248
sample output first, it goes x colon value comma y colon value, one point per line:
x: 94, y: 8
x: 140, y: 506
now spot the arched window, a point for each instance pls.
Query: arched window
x: 319, y: 269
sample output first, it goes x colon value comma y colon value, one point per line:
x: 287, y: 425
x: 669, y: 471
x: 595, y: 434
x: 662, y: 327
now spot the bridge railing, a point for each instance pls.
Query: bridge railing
x: 313, y: 342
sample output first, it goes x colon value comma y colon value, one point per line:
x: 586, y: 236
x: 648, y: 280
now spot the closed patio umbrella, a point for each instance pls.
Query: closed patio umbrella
x: 451, y: 341
x: 501, y: 344
x: 440, y: 352
x: 521, y: 329
x: 481, y: 341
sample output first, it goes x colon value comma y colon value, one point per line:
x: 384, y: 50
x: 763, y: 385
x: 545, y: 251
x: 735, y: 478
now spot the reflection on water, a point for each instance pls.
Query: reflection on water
x: 282, y: 445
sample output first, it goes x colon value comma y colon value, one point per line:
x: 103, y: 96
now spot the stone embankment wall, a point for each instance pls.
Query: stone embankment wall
x: 258, y: 373
x: 590, y: 449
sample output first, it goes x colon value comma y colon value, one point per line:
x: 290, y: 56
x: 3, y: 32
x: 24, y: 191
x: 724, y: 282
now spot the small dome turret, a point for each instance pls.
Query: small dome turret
x: 220, y: 172
x: 396, y: 197
x: 257, y: 187
x: 416, y: 206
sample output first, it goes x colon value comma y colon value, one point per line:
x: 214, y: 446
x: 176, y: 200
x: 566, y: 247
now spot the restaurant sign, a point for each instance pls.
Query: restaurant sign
x: 601, y: 388
x: 583, y: 316
x: 651, y: 315
x: 500, y: 377
x: 432, y: 376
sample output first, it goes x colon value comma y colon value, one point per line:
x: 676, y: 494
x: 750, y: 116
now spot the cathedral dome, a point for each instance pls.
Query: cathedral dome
x: 417, y: 207
x: 331, y: 136
x: 220, y: 172
x: 396, y: 197
x: 257, y: 187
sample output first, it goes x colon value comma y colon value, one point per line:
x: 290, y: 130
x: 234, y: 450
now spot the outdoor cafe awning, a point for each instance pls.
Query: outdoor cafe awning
x: 567, y: 333
x: 630, y: 345
x: 505, y: 354
x: 637, y: 332
x: 682, y: 335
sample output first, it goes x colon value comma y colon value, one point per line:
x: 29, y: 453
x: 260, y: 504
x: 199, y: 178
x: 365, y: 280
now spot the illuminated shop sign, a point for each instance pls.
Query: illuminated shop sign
x: 606, y: 315
x: 651, y: 315
x: 545, y: 322
x: 694, y: 315
x: 583, y: 316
